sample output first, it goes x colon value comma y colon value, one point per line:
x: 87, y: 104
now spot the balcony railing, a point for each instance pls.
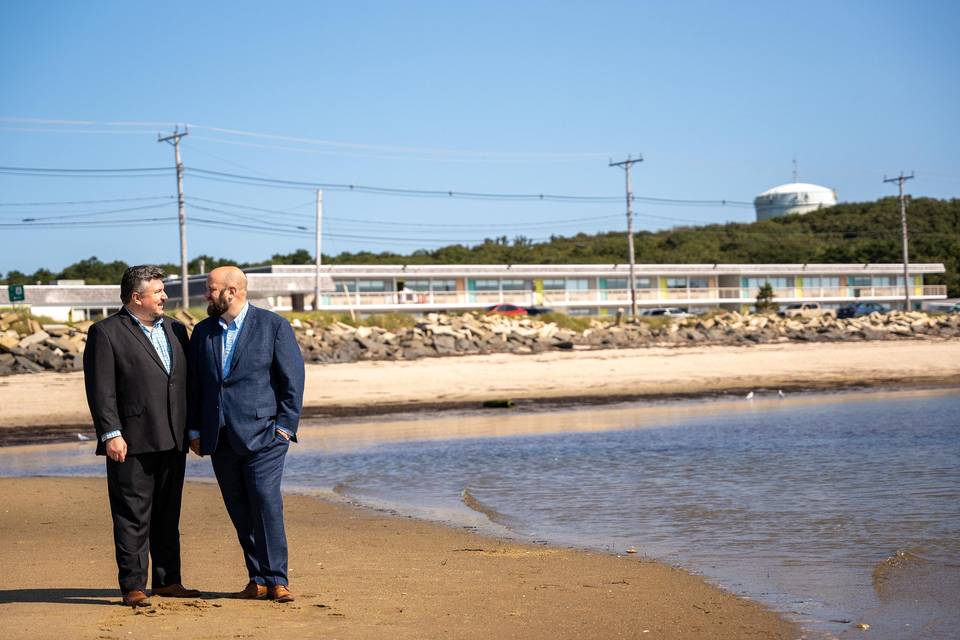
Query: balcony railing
x: 618, y: 297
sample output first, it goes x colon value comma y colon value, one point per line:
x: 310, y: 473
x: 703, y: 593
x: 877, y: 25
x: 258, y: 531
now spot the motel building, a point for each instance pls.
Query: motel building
x: 575, y: 289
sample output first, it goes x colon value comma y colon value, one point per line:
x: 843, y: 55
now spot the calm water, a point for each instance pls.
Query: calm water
x: 836, y: 511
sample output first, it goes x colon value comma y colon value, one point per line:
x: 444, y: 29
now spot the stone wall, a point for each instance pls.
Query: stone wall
x: 27, y: 347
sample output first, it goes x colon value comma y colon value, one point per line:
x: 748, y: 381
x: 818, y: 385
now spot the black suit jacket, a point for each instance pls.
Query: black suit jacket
x: 129, y: 389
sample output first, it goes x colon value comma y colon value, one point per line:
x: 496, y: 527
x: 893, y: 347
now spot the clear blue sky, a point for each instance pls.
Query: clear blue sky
x: 503, y: 97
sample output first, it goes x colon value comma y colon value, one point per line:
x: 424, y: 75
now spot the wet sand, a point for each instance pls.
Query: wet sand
x: 358, y: 574
x: 556, y: 378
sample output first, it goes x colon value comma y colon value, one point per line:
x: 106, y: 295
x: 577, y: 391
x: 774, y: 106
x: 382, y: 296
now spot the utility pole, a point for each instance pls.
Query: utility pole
x: 903, y: 223
x: 316, y: 287
x: 626, y: 165
x: 174, y: 139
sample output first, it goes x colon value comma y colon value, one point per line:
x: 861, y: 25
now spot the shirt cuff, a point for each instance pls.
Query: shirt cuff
x: 192, y: 435
x: 110, y: 435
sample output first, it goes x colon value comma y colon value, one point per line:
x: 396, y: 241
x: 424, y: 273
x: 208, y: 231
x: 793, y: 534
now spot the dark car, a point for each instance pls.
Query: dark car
x: 505, y: 309
x: 538, y: 311
x: 861, y: 309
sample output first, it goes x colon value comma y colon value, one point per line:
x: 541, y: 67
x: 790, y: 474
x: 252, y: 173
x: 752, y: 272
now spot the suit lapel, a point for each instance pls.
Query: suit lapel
x: 173, y: 342
x: 246, y: 331
x: 216, y: 348
x: 131, y: 324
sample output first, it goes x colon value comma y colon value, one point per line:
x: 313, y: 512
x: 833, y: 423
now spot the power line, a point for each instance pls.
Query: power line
x: 91, y: 214
x: 45, y: 170
x: 76, y: 202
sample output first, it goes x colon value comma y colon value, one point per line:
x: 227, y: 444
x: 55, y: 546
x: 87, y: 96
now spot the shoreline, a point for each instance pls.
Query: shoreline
x: 43, y: 434
x: 357, y: 573
x: 547, y: 381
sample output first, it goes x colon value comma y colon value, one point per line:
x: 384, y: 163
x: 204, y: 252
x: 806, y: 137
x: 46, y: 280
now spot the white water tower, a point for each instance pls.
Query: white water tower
x: 796, y: 197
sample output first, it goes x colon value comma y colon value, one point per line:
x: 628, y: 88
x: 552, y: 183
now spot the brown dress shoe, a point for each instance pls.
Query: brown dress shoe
x: 252, y: 591
x: 279, y: 593
x: 175, y: 591
x: 136, y: 599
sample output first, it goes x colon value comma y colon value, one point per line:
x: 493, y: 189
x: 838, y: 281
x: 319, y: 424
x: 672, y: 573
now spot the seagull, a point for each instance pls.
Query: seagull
x: 80, y: 436
x: 780, y: 393
x: 749, y: 396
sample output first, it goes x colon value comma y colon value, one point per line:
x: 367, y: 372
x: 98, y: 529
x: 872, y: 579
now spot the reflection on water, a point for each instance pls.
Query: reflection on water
x: 835, y: 509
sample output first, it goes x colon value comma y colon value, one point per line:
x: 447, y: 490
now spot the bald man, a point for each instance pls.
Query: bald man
x: 246, y: 393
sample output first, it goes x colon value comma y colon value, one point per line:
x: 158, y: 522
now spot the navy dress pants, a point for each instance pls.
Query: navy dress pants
x: 145, y: 492
x: 250, y: 485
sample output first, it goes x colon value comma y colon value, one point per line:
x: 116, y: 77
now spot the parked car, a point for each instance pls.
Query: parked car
x: 806, y: 310
x: 861, y: 309
x: 675, y: 312
x: 538, y: 311
x: 505, y: 309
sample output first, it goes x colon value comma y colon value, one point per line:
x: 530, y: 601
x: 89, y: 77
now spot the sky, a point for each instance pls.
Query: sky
x: 505, y: 98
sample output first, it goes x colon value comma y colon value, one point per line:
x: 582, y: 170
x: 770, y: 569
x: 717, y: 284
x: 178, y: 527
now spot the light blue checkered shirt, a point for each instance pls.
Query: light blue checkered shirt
x: 230, y: 333
x: 158, y: 338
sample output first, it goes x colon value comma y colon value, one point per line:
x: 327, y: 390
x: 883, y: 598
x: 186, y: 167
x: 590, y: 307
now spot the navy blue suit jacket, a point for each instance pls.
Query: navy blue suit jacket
x: 264, y: 388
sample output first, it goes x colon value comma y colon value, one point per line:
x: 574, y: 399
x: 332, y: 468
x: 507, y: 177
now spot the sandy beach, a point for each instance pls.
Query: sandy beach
x: 375, y: 387
x: 358, y: 574
x: 364, y: 574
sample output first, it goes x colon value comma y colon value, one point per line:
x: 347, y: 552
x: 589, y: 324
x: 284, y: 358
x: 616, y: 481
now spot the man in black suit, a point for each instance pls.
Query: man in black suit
x: 135, y: 373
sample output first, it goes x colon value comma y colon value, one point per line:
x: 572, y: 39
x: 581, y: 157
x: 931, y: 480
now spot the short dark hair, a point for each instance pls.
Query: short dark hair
x: 134, y: 278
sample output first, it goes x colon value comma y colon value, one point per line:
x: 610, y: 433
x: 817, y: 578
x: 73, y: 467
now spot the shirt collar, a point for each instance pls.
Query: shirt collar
x: 238, y: 321
x: 156, y: 323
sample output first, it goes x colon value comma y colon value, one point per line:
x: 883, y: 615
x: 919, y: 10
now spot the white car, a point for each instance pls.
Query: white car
x: 806, y: 310
x: 673, y: 312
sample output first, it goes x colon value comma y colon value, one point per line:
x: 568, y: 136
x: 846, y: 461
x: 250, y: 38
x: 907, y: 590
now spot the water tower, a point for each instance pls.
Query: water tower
x: 796, y: 197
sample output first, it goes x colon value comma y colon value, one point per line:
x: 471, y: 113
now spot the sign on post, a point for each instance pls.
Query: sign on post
x: 15, y: 292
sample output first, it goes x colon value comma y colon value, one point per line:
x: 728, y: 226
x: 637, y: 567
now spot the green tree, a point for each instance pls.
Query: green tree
x: 765, y: 303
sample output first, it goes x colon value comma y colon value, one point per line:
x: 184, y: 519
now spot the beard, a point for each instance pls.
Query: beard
x: 218, y: 307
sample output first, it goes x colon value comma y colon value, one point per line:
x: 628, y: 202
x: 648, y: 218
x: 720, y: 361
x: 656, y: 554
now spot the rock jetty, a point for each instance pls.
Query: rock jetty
x: 26, y: 346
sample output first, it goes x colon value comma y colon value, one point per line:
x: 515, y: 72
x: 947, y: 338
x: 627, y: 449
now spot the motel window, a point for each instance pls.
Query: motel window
x: 578, y: 284
x: 643, y: 283
x: 417, y: 285
x: 860, y: 281
x: 486, y: 285
x: 554, y: 285
x: 676, y: 283
x: 350, y: 285
x: 372, y: 286
x: 822, y: 282
x: 444, y: 285
x: 516, y: 285
x: 699, y: 283
x: 613, y: 283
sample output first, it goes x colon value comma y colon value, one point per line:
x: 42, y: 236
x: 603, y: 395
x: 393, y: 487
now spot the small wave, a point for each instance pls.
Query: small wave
x: 341, y: 489
x: 900, y: 567
x: 492, y: 514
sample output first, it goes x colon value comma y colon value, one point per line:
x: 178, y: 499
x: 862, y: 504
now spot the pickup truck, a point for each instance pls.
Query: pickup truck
x: 806, y: 310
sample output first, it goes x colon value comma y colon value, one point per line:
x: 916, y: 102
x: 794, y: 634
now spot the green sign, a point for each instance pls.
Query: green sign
x: 15, y: 291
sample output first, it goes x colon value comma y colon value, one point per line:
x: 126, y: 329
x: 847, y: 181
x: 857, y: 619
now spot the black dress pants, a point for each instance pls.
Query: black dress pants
x: 145, y: 492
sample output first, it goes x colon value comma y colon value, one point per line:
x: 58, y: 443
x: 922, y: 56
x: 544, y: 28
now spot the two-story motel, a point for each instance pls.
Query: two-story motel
x: 577, y: 289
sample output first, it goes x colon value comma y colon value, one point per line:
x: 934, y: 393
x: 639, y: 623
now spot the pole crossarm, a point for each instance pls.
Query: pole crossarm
x: 626, y: 165
x: 903, y: 224
x: 174, y: 140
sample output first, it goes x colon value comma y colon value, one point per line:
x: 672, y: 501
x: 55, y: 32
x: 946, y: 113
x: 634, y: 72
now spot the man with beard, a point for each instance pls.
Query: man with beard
x: 135, y: 373
x: 246, y: 395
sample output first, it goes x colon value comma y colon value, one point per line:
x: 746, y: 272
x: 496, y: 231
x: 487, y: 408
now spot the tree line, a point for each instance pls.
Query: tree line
x: 857, y: 232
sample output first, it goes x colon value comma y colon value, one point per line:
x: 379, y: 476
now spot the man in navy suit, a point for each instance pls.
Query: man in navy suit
x: 247, y: 379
